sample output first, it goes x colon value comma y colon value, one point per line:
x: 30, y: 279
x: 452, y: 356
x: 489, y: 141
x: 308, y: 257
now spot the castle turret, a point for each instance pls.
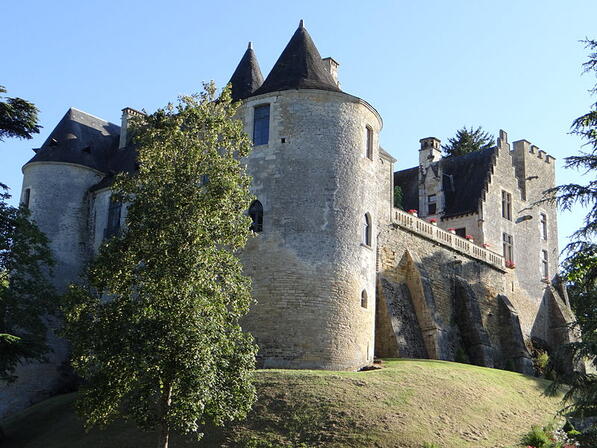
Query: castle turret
x: 247, y: 77
x: 312, y: 259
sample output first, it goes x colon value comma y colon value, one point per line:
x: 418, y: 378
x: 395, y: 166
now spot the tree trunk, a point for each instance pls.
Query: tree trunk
x: 165, y: 401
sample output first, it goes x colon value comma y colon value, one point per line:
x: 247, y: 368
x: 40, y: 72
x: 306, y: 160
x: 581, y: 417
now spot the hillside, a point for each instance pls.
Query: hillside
x: 406, y: 403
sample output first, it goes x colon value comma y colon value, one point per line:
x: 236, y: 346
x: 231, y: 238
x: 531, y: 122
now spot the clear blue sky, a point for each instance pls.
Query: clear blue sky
x: 428, y: 67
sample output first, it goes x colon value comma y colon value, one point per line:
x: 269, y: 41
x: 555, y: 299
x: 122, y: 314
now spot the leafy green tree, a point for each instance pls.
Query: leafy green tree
x: 468, y: 140
x: 26, y: 297
x: 155, y: 332
x: 18, y: 117
x: 581, y: 263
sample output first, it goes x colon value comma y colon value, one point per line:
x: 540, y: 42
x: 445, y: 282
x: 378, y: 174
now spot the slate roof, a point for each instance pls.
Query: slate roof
x: 463, y: 181
x: 247, y: 77
x: 299, y: 67
x: 82, y: 139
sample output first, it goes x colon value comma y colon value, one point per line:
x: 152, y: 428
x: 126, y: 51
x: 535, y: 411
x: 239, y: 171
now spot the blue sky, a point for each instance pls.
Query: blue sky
x: 428, y: 67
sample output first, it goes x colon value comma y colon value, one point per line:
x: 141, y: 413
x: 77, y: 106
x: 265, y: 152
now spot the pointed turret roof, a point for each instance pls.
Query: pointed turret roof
x: 247, y: 77
x: 82, y: 139
x: 299, y: 67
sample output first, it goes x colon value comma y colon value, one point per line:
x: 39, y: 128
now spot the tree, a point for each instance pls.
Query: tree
x: 467, y: 141
x: 26, y: 296
x: 581, y: 262
x: 155, y: 332
x: 18, y: 118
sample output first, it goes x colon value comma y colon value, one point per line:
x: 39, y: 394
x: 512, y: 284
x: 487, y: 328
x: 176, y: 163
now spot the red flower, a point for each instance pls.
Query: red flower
x: 433, y: 220
x: 412, y: 210
x: 469, y: 237
x: 451, y: 229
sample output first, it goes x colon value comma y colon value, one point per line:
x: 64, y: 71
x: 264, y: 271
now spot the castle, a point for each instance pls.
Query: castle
x: 340, y: 275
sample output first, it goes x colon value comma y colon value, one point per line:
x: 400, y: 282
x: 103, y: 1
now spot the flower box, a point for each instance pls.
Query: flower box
x: 470, y: 238
x: 486, y: 245
x: 510, y: 264
x: 413, y: 212
x: 433, y: 221
x: 452, y: 231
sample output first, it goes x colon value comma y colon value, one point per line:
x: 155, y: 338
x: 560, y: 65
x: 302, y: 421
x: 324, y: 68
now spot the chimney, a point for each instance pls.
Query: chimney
x: 430, y: 151
x: 127, y: 113
x: 332, y: 67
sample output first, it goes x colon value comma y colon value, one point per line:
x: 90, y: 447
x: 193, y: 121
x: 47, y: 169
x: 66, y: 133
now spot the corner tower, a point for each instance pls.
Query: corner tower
x: 312, y: 258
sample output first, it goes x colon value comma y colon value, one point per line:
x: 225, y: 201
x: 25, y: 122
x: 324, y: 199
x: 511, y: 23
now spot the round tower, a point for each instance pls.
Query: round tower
x: 56, y: 182
x: 313, y: 256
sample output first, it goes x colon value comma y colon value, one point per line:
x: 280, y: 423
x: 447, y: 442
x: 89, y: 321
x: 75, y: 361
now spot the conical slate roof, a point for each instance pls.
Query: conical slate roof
x: 82, y: 139
x: 299, y: 67
x: 247, y: 77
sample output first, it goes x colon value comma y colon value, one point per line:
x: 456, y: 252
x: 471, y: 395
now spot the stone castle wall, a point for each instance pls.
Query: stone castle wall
x: 309, y: 266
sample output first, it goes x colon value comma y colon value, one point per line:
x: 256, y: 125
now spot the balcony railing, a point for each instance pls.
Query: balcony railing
x: 417, y: 225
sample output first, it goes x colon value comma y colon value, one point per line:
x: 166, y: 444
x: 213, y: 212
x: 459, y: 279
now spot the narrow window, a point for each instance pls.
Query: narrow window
x: 543, y: 224
x: 544, y: 264
x: 461, y: 232
x: 113, y: 226
x: 256, y: 214
x: 506, y: 205
x: 367, y: 230
x: 508, y: 246
x: 431, y: 204
x: 364, y: 298
x: 27, y: 197
x: 261, y: 125
x: 369, y: 144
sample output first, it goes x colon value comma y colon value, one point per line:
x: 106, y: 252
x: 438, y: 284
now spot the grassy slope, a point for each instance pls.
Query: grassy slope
x: 406, y: 403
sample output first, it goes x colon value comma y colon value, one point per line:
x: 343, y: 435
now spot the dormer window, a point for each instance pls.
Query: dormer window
x: 261, y: 125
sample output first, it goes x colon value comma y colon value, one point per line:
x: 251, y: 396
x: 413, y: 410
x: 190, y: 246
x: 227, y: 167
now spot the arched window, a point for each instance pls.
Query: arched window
x: 367, y: 230
x: 364, y: 298
x: 256, y: 214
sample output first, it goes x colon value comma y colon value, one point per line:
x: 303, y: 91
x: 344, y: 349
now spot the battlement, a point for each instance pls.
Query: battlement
x: 526, y: 147
x: 462, y: 245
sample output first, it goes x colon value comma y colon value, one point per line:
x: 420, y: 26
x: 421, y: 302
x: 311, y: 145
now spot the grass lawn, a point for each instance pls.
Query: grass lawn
x: 406, y: 403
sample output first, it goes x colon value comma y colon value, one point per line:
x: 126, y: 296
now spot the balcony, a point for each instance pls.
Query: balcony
x: 462, y: 245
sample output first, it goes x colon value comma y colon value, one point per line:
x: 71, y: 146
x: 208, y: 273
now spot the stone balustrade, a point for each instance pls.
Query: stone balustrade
x: 428, y: 230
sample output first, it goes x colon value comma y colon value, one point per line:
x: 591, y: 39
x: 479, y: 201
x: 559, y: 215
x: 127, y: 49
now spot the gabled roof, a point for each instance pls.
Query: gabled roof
x: 299, y: 67
x: 82, y: 139
x: 247, y: 77
x: 463, y: 182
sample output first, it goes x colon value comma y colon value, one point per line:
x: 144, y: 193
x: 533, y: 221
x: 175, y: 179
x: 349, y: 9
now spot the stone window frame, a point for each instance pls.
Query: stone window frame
x: 508, y: 247
x: 367, y: 230
x: 507, y: 205
x: 543, y: 225
x: 431, y: 204
x: 364, y: 299
x: 368, y: 142
x: 545, y: 263
x: 114, y: 215
x: 261, y: 126
x: 256, y: 214
x: 26, y: 198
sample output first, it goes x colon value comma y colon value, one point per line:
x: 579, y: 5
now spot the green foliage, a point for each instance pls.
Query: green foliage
x: 468, y: 140
x: 398, y: 197
x: 430, y: 445
x: 155, y: 331
x: 581, y: 264
x: 537, y: 438
x: 18, y: 117
x: 26, y: 297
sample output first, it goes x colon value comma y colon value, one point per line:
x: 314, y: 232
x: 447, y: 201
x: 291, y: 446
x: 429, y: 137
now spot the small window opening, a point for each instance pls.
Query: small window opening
x: 261, y: 125
x: 432, y: 204
x: 543, y: 225
x: 544, y: 264
x: 508, y: 246
x: 114, y: 211
x: 256, y: 214
x: 364, y: 298
x: 27, y: 197
x: 369, y: 144
x: 283, y: 140
x: 461, y: 232
x: 506, y: 205
x: 367, y: 230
